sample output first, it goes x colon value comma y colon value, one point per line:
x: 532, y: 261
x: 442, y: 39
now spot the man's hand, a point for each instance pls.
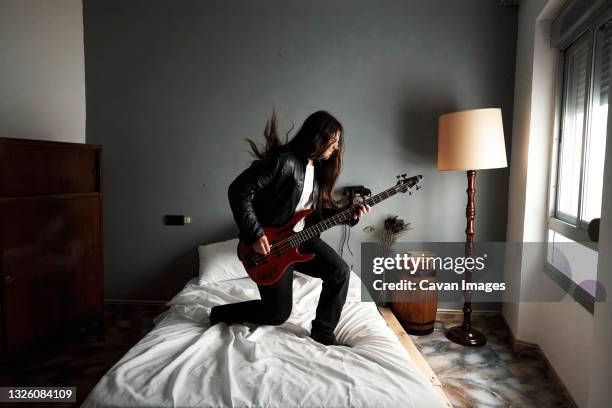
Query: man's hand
x: 261, y: 246
x: 363, y: 210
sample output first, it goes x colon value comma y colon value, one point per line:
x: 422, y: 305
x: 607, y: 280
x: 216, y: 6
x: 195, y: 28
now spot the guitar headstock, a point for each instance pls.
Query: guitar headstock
x: 408, y: 184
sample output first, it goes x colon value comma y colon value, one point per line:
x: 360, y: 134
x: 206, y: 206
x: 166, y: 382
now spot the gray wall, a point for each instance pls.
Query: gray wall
x: 173, y: 88
x: 42, y: 70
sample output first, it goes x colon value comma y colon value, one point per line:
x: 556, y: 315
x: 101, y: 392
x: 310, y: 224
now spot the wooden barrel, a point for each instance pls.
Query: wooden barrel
x: 416, y: 309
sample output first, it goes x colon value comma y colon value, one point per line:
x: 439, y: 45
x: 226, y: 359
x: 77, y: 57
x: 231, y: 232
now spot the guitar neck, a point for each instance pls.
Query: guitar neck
x: 341, y: 217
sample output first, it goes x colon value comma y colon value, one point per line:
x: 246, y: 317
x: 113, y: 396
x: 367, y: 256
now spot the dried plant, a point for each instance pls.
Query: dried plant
x: 393, y: 229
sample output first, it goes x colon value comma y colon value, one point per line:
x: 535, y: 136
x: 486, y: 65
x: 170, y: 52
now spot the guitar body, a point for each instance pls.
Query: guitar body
x: 268, y: 269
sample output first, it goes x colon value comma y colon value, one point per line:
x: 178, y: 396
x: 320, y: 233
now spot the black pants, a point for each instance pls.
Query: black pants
x: 276, y: 301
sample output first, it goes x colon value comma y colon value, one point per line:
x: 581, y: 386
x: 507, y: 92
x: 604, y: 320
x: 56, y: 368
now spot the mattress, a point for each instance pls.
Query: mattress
x: 183, y: 362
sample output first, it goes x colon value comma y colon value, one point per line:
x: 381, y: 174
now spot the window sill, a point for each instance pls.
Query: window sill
x: 570, y: 231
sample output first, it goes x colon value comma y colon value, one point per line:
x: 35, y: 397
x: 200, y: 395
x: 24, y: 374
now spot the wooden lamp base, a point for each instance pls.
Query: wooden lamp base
x: 470, y: 338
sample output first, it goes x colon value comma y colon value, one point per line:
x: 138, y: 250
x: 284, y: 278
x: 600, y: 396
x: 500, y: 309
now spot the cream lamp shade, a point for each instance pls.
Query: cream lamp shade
x: 471, y: 140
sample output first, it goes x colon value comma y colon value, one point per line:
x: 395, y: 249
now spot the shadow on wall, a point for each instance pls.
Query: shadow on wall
x: 420, y: 125
x: 185, y: 266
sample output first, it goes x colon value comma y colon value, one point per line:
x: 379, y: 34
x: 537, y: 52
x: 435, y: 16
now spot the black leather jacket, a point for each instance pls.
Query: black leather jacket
x: 266, y: 194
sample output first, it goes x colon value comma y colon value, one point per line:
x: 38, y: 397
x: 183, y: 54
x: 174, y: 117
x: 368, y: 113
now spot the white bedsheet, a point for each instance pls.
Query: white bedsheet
x: 183, y: 362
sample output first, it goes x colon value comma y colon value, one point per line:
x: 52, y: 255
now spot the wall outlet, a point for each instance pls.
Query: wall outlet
x: 176, y: 220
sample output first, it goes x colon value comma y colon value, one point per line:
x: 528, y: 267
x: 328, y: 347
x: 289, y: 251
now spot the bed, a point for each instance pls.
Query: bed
x: 183, y: 362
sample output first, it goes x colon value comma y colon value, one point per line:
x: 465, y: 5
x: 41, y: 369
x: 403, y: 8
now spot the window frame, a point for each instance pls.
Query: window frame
x: 576, y: 230
x: 565, y: 224
x: 587, y: 38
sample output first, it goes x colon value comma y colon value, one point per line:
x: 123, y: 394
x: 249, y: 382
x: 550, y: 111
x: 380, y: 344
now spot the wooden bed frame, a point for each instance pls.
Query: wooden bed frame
x: 412, y: 350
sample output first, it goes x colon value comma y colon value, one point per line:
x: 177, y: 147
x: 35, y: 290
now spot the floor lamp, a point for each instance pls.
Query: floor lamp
x: 468, y: 141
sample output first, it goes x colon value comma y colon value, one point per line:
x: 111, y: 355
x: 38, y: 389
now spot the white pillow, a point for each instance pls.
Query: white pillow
x: 219, y: 262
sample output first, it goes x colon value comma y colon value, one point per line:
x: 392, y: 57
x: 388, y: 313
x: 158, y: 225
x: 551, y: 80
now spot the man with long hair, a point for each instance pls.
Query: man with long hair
x: 288, y: 177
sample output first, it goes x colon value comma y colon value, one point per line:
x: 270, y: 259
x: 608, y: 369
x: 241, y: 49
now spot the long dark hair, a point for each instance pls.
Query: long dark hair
x: 314, y: 137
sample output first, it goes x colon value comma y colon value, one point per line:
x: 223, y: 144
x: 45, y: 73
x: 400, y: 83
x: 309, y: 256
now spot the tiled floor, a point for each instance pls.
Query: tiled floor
x: 79, y: 358
x: 490, y: 376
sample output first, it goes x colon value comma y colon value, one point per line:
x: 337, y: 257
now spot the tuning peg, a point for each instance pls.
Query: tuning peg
x: 404, y: 175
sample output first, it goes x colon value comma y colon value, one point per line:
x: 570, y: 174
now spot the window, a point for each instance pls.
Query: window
x: 580, y: 143
x: 578, y: 158
x: 579, y: 150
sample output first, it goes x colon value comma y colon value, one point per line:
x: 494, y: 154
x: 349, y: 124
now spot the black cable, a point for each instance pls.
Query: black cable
x: 343, y: 242
x: 348, y: 241
x: 348, y: 245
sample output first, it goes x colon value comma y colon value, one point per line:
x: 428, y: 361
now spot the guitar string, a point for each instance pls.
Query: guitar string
x: 292, y: 240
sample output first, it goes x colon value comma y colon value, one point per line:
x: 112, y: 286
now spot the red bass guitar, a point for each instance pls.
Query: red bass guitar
x: 284, y: 242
